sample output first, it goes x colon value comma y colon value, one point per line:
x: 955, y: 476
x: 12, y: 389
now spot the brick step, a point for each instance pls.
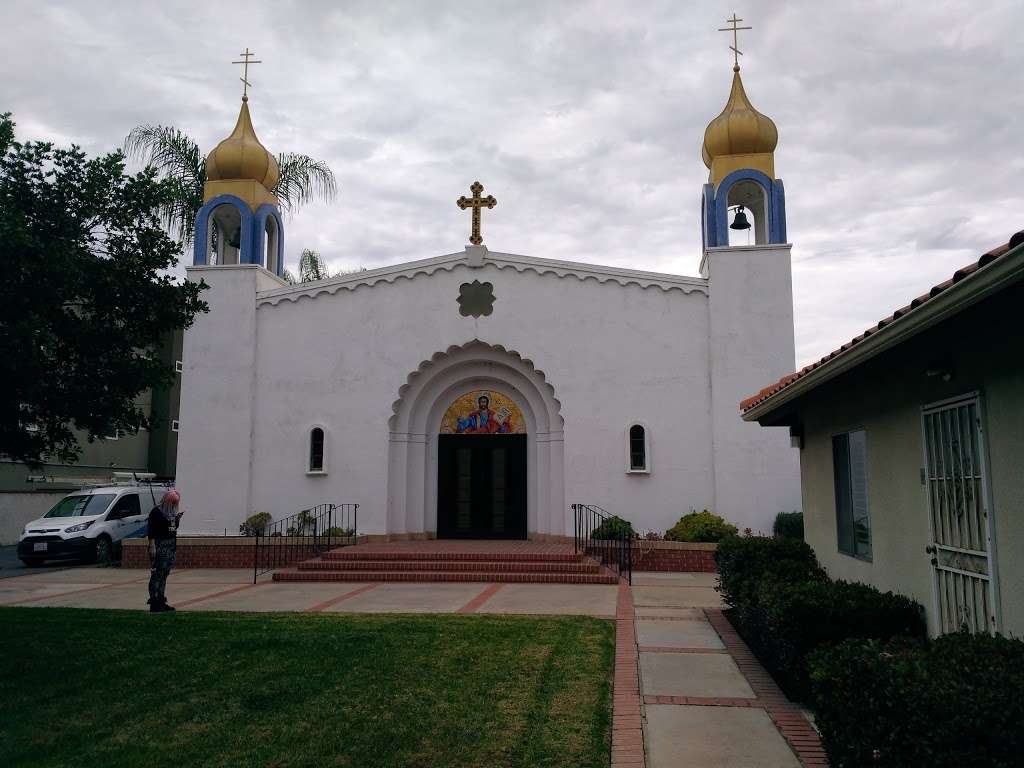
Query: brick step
x: 490, y: 566
x: 294, y: 574
x: 354, y: 553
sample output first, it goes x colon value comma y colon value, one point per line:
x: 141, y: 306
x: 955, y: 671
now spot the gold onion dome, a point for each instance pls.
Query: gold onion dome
x: 739, y: 129
x: 241, y: 156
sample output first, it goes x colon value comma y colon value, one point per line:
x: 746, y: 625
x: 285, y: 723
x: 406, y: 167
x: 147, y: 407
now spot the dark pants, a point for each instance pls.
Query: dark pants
x: 162, y: 564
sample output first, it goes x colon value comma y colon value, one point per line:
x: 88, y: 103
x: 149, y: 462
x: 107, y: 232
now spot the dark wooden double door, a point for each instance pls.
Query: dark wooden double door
x: 481, y: 487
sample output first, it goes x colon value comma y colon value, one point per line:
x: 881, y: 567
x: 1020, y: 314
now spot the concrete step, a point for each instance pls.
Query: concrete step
x: 488, y: 566
x: 354, y: 553
x: 535, y: 577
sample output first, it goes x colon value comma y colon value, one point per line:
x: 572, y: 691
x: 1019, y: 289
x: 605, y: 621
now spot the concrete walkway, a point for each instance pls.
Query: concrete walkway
x: 706, y: 701
x: 233, y: 590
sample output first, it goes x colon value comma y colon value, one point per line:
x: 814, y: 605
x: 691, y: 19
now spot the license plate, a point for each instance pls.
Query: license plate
x: 39, y: 547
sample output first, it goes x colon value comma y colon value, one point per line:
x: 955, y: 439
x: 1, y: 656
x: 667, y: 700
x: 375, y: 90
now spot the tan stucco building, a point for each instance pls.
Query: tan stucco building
x: 912, y: 448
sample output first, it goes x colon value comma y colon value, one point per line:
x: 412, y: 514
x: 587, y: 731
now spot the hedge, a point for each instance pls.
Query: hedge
x: 789, y: 525
x: 791, y: 620
x: 953, y: 702
x: 785, y: 606
x: 700, y: 526
x: 744, y: 563
x: 255, y: 524
x: 613, y: 527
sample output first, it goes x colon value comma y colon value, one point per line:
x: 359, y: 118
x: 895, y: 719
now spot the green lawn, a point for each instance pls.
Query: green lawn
x: 119, y: 688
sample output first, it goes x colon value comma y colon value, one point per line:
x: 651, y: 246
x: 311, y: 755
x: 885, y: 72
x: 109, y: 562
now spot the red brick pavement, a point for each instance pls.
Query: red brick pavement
x: 627, y: 728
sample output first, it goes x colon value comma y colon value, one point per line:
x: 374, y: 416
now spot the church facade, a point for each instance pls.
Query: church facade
x: 479, y: 394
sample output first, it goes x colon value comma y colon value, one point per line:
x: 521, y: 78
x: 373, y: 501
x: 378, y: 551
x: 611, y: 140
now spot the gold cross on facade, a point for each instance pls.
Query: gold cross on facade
x: 476, y: 203
x: 246, y: 61
x: 735, y: 28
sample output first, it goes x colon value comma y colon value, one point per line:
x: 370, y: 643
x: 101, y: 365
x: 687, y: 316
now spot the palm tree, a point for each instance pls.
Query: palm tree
x: 177, y: 158
x: 311, y: 267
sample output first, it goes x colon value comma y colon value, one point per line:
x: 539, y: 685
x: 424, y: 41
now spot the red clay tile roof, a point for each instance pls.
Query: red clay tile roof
x: 959, y: 275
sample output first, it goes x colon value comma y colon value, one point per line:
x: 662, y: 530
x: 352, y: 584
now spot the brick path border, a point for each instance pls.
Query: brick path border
x: 213, y: 595
x: 319, y: 607
x: 480, y: 599
x: 787, y: 716
x: 627, y: 723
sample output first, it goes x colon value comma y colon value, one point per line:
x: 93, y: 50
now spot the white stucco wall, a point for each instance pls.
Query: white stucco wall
x: 757, y: 472
x: 261, y: 373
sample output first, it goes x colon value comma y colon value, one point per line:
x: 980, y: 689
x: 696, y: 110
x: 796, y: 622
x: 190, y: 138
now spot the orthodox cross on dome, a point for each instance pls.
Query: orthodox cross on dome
x: 246, y: 61
x: 476, y: 203
x: 735, y: 28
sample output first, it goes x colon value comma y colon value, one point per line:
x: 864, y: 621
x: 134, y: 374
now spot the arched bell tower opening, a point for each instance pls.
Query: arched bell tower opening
x: 751, y: 199
x: 222, y: 233
x: 270, y: 234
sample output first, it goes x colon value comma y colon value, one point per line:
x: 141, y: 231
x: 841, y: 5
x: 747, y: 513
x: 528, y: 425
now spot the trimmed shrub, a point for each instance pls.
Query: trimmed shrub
x: 791, y: 620
x: 614, y: 528
x: 337, y: 532
x: 254, y: 524
x: 745, y: 563
x: 700, y: 526
x: 789, y: 525
x: 953, y: 702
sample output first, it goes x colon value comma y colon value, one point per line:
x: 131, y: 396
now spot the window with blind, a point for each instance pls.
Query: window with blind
x: 853, y: 520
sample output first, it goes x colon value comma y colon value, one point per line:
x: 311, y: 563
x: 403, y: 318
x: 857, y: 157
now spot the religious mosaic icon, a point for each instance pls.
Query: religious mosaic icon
x: 476, y: 299
x: 482, y: 412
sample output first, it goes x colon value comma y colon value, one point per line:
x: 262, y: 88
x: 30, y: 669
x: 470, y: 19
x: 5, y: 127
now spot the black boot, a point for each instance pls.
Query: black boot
x: 164, y: 606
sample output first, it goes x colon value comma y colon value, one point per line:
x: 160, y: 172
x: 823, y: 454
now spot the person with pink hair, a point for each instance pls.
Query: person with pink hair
x: 163, y: 543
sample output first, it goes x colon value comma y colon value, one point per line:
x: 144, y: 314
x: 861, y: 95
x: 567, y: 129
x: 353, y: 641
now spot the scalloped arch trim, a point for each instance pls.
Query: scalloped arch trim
x: 426, y: 368
x: 410, y: 271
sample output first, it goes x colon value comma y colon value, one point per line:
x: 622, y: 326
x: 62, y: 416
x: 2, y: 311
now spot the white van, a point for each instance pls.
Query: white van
x: 87, y: 524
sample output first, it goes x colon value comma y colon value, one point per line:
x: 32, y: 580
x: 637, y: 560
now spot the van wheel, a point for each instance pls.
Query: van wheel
x: 104, y: 549
x: 32, y: 562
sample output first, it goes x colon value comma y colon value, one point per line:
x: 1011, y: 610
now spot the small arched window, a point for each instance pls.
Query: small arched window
x: 638, y: 449
x: 317, y: 456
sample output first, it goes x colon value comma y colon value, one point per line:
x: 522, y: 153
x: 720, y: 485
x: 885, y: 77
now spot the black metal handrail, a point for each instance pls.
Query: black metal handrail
x: 596, y: 535
x: 304, y: 534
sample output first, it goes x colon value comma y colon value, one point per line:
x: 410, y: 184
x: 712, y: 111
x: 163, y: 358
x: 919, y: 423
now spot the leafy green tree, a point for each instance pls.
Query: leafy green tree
x: 84, y: 296
x: 178, y: 160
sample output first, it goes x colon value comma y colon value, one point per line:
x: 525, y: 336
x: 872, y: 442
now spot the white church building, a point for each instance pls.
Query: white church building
x: 480, y: 394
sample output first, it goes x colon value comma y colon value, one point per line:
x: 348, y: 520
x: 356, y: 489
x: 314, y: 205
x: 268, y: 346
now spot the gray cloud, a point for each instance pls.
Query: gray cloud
x: 899, y: 123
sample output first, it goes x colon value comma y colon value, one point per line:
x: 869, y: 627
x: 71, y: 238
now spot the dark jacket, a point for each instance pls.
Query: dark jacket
x: 159, y: 528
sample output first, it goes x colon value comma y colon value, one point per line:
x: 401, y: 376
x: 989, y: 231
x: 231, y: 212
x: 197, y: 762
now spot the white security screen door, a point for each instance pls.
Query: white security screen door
x: 962, y: 552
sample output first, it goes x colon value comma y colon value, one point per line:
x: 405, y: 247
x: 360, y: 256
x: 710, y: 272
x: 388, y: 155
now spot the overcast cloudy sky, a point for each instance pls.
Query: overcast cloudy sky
x: 899, y: 123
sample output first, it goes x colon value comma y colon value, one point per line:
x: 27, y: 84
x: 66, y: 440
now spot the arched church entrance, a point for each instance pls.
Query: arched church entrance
x: 481, y: 468
x: 475, y: 449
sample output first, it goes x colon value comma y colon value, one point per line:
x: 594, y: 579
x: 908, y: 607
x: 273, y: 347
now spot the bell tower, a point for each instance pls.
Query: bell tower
x: 739, y: 151
x: 750, y: 301
x: 240, y: 221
